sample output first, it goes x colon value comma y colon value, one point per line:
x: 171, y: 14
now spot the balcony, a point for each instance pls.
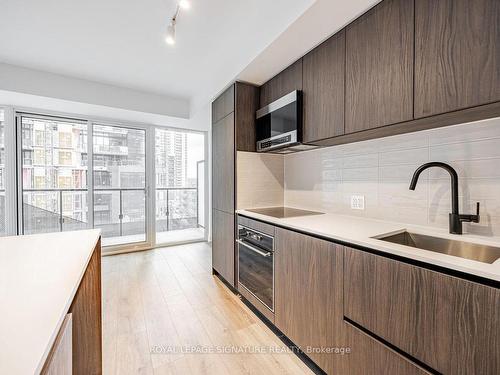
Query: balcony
x: 120, y: 213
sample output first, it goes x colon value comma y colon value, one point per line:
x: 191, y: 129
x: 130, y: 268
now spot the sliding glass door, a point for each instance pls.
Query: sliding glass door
x: 53, y: 174
x: 3, y: 223
x: 177, y: 157
x: 76, y: 174
x: 119, y: 179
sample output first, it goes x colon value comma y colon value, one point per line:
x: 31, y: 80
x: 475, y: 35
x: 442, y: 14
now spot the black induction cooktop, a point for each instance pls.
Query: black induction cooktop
x: 283, y: 212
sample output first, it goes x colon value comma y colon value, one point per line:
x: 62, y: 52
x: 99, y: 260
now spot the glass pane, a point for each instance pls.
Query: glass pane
x: 177, y: 157
x: 119, y: 156
x: 54, y: 175
x: 2, y: 174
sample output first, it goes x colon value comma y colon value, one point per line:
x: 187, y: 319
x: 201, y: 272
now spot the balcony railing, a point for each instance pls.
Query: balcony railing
x: 118, y: 212
x: 176, y: 208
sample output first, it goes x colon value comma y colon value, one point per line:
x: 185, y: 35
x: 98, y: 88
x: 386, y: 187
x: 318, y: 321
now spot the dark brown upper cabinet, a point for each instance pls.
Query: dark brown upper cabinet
x: 288, y: 80
x: 457, y: 54
x: 323, y: 89
x: 247, y: 103
x: 379, y: 67
x: 223, y: 105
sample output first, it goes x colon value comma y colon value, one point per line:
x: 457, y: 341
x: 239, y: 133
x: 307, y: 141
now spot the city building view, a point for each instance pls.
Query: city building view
x: 55, y: 180
x: 179, y: 195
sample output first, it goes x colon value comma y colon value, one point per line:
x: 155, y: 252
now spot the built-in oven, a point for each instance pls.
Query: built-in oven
x: 256, y: 264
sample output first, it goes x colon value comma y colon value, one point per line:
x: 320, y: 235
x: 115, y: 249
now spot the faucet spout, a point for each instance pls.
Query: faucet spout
x: 456, y: 219
x: 454, y: 181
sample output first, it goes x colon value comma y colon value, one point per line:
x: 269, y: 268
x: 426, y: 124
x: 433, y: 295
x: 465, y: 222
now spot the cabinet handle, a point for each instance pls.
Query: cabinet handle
x: 254, y: 249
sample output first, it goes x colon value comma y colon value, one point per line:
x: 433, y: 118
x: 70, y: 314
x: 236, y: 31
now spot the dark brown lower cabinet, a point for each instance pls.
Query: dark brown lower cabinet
x: 308, y: 294
x: 223, y: 244
x: 370, y: 357
x: 87, y: 320
x: 450, y: 324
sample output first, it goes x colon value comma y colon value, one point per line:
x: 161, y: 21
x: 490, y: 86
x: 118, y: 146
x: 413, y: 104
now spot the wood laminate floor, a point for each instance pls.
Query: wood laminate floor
x: 167, y: 300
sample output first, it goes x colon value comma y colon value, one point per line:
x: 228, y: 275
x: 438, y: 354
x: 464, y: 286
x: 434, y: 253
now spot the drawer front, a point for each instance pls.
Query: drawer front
x: 450, y: 324
x: 370, y: 357
x: 256, y: 225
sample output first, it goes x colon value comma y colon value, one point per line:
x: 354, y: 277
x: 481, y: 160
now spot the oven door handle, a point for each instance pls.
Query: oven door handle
x: 254, y: 249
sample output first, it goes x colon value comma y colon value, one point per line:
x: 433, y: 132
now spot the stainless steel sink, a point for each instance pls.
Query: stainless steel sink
x: 467, y: 250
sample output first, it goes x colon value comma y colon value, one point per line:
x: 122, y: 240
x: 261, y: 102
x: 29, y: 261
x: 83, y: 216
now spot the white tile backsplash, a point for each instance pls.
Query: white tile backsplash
x: 381, y: 169
x: 259, y: 180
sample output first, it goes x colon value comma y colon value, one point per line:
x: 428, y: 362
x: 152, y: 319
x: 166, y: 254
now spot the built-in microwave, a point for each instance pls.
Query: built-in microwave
x: 279, y: 125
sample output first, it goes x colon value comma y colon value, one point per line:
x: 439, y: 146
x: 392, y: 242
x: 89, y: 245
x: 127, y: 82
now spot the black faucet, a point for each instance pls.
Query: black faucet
x: 456, y: 219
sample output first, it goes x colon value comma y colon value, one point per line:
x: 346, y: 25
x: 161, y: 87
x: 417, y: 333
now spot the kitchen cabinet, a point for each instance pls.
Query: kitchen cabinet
x: 51, y: 303
x: 223, y: 245
x: 308, y: 293
x: 247, y: 103
x: 233, y: 129
x: 223, y: 105
x: 283, y: 83
x: 457, y: 54
x: 223, y: 164
x: 369, y: 356
x: 59, y: 361
x: 323, y: 89
x: 379, y: 67
x: 449, y: 324
x: 86, y: 318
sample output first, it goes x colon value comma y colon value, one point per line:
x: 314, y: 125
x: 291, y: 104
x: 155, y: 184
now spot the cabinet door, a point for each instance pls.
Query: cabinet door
x: 379, y: 67
x: 223, y: 105
x: 86, y: 317
x: 59, y: 361
x: 285, y: 82
x: 223, y: 244
x: 247, y: 103
x: 450, y: 324
x: 370, y: 357
x: 223, y: 164
x: 323, y: 86
x: 308, y: 283
x: 457, y: 54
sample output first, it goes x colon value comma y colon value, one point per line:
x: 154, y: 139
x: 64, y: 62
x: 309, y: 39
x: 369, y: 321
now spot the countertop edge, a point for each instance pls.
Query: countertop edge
x: 491, y: 277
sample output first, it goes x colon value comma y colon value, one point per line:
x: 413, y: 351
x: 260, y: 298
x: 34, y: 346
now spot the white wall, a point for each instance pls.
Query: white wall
x: 43, y: 84
x: 381, y: 170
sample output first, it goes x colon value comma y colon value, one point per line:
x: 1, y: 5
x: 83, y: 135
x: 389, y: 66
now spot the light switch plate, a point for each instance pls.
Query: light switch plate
x: 358, y: 202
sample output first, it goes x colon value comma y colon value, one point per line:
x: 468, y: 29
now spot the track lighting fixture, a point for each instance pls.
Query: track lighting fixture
x: 185, y: 4
x: 170, y: 37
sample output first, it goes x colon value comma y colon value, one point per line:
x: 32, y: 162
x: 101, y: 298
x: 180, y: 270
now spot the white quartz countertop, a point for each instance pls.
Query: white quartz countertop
x: 359, y: 231
x: 39, y: 276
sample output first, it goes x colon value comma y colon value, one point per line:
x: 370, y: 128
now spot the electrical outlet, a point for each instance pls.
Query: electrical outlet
x: 358, y: 202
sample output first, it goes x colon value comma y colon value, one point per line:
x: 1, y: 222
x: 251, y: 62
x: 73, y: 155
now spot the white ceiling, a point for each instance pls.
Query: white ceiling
x: 121, y: 42
x: 323, y: 19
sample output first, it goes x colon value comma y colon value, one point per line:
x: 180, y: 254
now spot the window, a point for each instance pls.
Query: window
x: 52, y: 157
x: 177, y: 155
x: 119, y: 158
x: 39, y: 138
x: 51, y: 172
x: 39, y: 156
x: 65, y: 140
x: 65, y: 158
